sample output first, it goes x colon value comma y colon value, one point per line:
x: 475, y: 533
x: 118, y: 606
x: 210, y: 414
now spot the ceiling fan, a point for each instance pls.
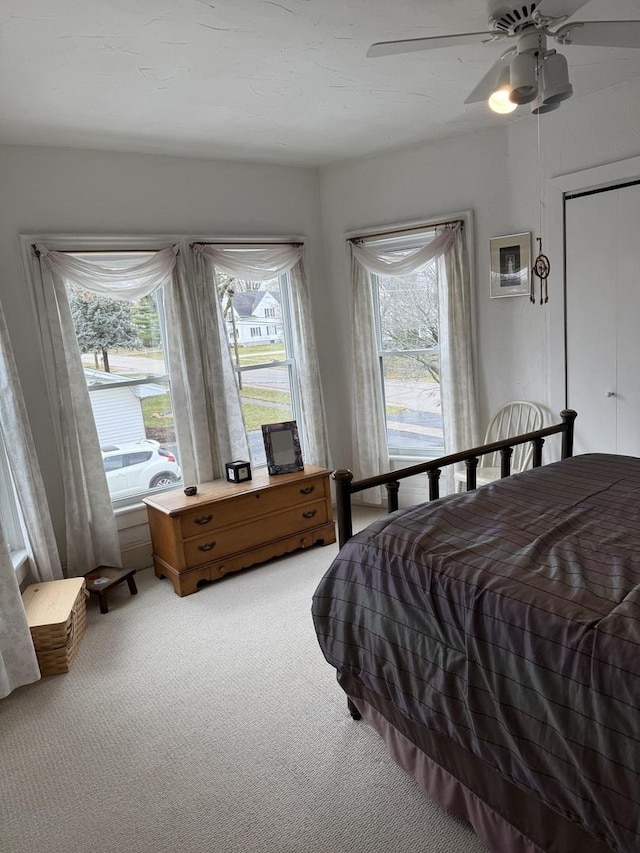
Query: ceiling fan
x: 527, y: 71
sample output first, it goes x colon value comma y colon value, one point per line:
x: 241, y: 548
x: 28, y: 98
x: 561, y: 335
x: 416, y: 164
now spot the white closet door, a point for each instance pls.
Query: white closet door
x: 628, y: 338
x: 591, y: 252
x: 603, y: 307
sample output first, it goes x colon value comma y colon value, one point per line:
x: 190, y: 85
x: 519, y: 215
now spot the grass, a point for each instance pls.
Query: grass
x: 259, y: 392
x: 259, y: 405
x: 255, y: 415
x: 278, y: 406
x: 158, y: 405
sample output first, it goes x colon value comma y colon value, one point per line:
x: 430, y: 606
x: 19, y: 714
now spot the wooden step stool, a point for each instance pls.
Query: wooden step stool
x: 103, y: 578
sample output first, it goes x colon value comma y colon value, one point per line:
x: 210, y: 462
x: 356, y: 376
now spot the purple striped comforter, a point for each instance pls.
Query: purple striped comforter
x: 507, y: 620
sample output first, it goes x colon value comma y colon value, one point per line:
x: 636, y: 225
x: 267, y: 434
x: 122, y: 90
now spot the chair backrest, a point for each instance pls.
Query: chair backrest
x: 514, y: 418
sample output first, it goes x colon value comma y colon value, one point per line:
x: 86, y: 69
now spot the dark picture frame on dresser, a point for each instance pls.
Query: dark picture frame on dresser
x: 282, y: 447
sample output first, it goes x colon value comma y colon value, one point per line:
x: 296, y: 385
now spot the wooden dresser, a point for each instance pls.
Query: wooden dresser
x: 229, y: 526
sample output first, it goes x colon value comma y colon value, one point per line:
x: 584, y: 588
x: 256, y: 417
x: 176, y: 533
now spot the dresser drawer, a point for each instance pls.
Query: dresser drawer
x: 248, y: 507
x: 217, y: 544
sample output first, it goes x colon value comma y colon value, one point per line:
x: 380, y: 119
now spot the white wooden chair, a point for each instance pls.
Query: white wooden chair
x: 512, y: 419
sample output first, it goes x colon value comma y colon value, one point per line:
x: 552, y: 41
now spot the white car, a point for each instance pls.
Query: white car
x: 137, y: 467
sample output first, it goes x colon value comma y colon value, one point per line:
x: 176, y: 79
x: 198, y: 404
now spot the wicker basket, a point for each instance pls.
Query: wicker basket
x: 57, y: 617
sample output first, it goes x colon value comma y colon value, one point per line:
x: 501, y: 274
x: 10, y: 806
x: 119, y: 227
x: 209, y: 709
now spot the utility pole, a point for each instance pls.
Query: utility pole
x: 231, y: 293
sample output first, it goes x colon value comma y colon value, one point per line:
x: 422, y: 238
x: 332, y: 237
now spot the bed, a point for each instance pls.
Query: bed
x: 491, y: 638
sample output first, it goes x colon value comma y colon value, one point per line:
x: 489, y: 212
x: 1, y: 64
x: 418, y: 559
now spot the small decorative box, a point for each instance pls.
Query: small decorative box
x: 238, y: 471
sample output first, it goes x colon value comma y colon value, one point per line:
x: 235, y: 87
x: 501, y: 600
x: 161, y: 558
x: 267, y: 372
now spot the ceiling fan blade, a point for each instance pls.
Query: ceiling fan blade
x: 488, y: 83
x: 387, y: 48
x: 600, y: 33
x: 559, y: 8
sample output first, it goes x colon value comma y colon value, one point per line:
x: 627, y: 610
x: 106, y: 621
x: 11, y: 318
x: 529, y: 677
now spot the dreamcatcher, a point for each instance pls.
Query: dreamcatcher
x: 541, y: 268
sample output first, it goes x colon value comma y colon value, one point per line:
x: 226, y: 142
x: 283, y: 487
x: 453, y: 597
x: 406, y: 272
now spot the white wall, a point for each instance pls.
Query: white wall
x: 87, y: 192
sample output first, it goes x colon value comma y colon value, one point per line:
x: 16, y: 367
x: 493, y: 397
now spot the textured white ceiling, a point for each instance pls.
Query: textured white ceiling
x: 281, y: 81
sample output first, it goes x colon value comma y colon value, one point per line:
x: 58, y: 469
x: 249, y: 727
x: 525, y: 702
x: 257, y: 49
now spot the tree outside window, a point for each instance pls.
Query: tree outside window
x: 409, y: 355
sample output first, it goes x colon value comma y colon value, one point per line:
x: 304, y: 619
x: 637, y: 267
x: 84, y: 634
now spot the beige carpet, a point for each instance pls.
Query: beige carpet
x: 206, y: 723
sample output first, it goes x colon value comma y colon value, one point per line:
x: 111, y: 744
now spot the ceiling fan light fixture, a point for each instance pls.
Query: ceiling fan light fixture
x: 539, y: 107
x: 554, y: 82
x: 524, y: 84
x: 499, y: 100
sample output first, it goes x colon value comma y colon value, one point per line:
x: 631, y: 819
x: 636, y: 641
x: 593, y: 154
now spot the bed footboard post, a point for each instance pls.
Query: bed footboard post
x: 568, y: 416
x: 392, y: 495
x: 472, y: 463
x: 353, y: 710
x: 342, y: 479
x: 434, y: 483
x: 505, y: 461
x: 537, y: 452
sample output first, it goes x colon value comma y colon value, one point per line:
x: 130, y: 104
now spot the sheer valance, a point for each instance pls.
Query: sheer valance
x: 385, y: 263
x: 124, y: 279
x: 260, y: 263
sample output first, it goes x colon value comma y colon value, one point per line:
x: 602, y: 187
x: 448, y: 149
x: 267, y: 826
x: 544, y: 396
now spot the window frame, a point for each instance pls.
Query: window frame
x: 395, y: 243
x: 114, y: 253
x: 289, y: 362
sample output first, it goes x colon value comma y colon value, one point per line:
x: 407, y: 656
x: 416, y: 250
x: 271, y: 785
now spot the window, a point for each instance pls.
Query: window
x: 407, y: 331
x: 123, y: 356
x: 266, y: 370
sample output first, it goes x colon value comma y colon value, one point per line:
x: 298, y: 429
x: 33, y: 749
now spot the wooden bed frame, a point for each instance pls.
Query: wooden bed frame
x: 346, y: 486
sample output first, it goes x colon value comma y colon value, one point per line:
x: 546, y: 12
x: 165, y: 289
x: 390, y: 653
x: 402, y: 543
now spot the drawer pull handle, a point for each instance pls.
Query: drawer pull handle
x: 307, y: 490
x: 208, y: 546
x: 309, y: 513
x: 205, y: 519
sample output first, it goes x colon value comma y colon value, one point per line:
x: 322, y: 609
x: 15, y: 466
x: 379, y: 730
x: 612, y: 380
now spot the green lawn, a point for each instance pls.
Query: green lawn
x: 264, y: 406
x: 156, y: 411
x: 259, y: 405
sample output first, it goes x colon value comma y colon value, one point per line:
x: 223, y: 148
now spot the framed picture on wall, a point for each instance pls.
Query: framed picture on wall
x: 511, y: 265
x: 282, y: 447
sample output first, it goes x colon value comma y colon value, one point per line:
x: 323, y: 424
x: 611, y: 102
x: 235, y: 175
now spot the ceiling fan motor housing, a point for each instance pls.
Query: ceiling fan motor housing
x: 510, y: 18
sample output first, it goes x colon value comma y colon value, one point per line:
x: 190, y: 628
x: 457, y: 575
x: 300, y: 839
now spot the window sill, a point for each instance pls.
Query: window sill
x: 20, y: 560
x: 415, y: 459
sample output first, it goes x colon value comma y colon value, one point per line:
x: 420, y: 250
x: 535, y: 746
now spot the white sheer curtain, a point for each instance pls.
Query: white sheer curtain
x: 264, y: 263
x: 15, y: 434
x: 456, y: 364
x: 18, y: 662
x: 457, y: 369
x: 207, y: 412
x: 92, y: 537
